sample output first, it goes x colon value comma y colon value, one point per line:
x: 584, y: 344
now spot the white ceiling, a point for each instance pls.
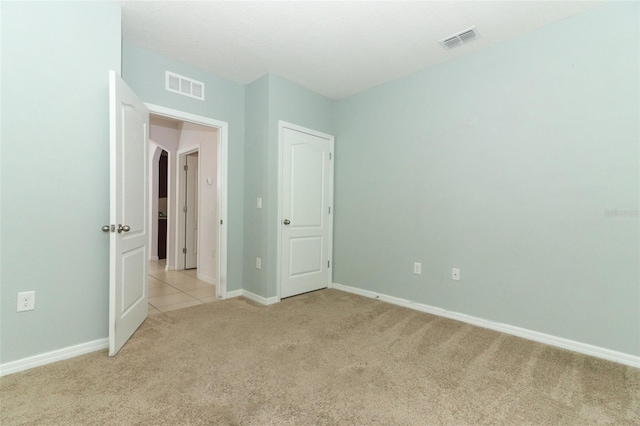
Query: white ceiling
x: 336, y: 48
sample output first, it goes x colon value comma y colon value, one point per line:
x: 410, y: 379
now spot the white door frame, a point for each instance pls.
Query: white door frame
x: 281, y: 126
x: 180, y: 233
x: 222, y: 193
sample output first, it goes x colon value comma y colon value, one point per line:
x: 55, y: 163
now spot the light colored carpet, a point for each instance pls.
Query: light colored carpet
x: 322, y: 358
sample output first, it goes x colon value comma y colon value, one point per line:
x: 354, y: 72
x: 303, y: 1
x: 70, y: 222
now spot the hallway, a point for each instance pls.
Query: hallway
x: 171, y: 290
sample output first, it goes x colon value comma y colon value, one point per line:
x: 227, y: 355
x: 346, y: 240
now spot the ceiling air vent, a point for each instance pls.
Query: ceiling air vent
x: 185, y: 86
x: 461, y: 38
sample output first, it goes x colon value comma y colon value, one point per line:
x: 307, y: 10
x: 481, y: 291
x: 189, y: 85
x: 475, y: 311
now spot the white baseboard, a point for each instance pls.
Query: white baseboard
x: 251, y: 296
x: 53, y: 356
x: 206, y: 279
x: 259, y: 299
x: 560, y: 342
x: 233, y: 293
x: 155, y: 258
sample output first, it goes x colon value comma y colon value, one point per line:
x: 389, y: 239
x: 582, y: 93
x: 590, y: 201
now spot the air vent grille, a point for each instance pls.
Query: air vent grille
x: 183, y: 85
x: 461, y: 38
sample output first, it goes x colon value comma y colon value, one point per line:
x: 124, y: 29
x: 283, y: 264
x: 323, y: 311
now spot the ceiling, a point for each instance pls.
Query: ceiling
x: 335, y: 48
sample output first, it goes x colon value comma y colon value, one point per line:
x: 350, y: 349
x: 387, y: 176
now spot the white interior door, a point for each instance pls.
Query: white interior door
x: 306, y: 196
x: 191, y: 212
x: 128, y: 298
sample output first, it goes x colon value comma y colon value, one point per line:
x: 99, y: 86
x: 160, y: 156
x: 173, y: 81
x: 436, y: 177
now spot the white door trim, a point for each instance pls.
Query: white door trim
x: 281, y: 126
x: 223, y: 170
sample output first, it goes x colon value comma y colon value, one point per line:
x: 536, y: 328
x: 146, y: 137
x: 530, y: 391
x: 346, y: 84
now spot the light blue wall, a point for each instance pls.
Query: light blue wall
x: 144, y: 72
x: 55, y: 176
x: 502, y: 163
x: 270, y: 99
x: 256, y: 176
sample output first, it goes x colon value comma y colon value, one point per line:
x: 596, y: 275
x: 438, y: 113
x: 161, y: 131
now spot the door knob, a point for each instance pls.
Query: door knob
x: 287, y: 221
x: 124, y: 228
x: 106, y: 228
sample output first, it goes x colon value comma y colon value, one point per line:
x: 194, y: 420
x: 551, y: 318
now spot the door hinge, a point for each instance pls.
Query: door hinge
x: 329, y: 209
x: 220, y: 221
x: 330, y: 155
x: 184, y: 209
x: 328, y: 264
x: 186, y: 167
x: 184, y: 250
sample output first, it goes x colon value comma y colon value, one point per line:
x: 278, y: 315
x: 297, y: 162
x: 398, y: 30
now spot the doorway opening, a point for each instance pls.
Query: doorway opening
x: 163, y: 179
x: 196, y: 199
x: 131, y: 194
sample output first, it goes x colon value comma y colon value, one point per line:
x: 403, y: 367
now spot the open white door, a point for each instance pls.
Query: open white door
x: 306, y: 220
x: 191, y: 212
x: 129, y: 134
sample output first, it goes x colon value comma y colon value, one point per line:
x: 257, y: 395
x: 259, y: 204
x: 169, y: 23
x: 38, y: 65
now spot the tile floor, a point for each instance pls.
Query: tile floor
x: 171, y: 290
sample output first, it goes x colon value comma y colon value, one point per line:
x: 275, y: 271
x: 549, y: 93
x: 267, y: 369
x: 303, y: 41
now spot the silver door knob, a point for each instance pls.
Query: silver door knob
x: 287, y: 221
x: 106, y: 228
x: 124, y: 228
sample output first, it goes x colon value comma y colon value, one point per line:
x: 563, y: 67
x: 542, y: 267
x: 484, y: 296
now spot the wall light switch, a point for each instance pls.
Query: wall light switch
x: 209, y: 181
x: 258, y: 263
x: 259, y: 203
x: 455, y: 274
x: 417, y: 268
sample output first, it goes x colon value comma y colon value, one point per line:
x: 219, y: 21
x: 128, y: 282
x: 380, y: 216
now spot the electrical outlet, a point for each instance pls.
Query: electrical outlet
x: 26, y: 301
x: 258, y: 263
x: 455, y: 274
x: 417, y: 268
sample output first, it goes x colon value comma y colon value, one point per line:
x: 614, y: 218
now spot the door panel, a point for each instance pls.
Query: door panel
x: 134, y: 129
x: 128, y: 297
x: 306, y: 198
x: 306, y: 255
x: 308, y: 163
x: 131, y: 267
x: 191, y: 214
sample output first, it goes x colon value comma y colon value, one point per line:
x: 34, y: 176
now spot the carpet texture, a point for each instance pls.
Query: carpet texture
x: 322, y: 358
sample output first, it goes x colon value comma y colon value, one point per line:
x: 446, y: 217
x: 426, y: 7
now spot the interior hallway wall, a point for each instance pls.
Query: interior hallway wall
x: 256, y: 224
x: 205, y: 139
